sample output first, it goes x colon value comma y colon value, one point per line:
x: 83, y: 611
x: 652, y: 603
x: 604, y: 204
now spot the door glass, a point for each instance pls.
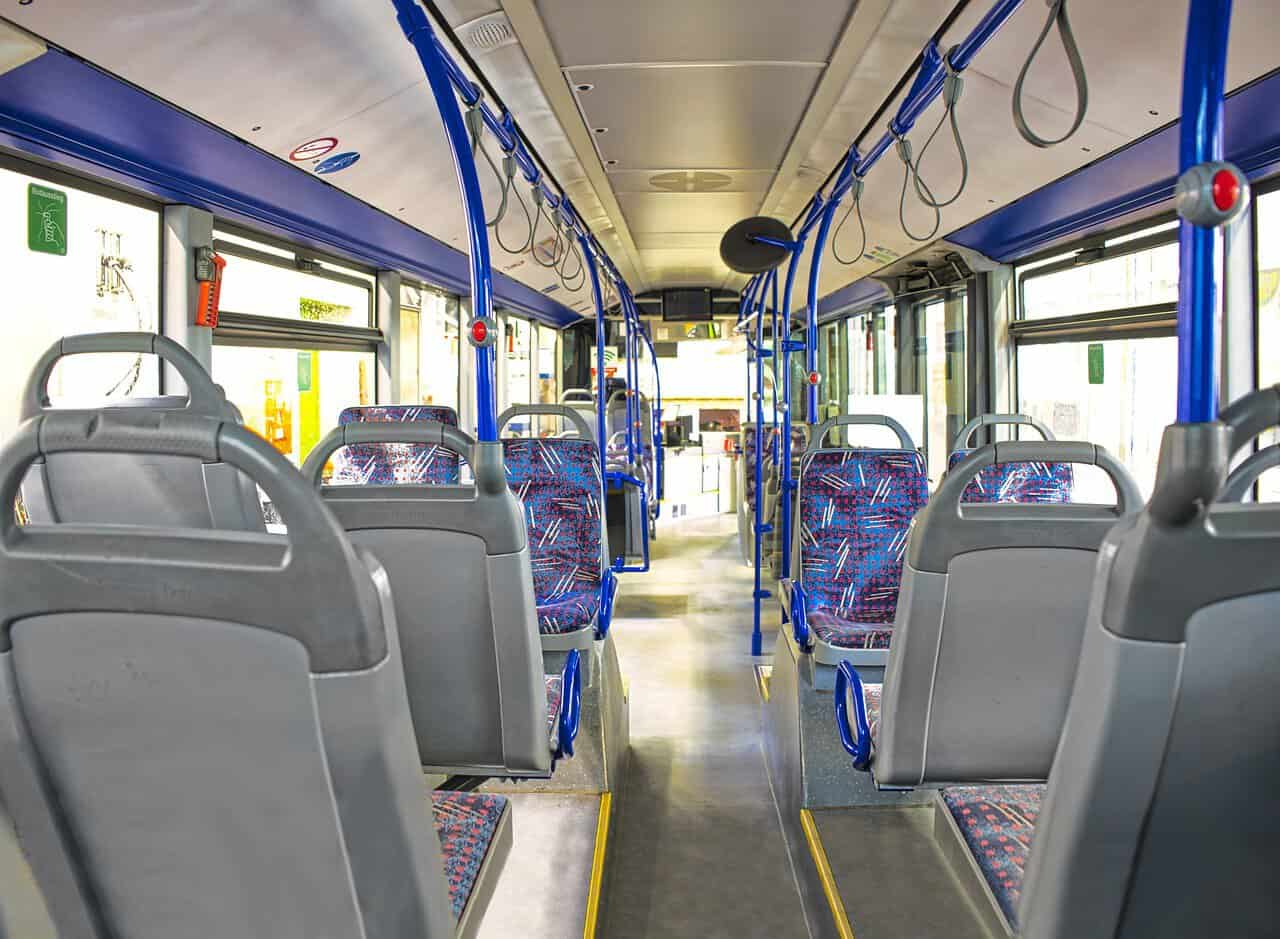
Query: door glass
x: 940, y: 372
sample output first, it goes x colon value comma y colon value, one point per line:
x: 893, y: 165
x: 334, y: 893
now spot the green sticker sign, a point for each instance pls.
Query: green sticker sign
x: 304, y: 371
x: 1097, y: 373
x: 46, y: 220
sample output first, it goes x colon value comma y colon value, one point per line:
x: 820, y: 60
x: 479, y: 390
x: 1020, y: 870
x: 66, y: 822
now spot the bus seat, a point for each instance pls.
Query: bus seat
x: 854, y: 510
x: 167, y: 691
x: 459, y: 564
x: 1160, y: 818
x: 582, y: 400
x: 1038, y: 482
x: 470, y: 826
x: 404, y: 463
x: 557, y: 480
x: 997, y: 824
x: 131, y: 488
x: 989, y: 623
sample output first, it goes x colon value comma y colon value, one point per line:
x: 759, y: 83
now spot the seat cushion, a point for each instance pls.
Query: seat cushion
x: 997, y: 823
x: 384, y: 464
x: 555, y: 690
x: 557, y: 480
x: 833, y: 629
x: 466, y: 823
x: 856, y: 507
x: 1017, y: 482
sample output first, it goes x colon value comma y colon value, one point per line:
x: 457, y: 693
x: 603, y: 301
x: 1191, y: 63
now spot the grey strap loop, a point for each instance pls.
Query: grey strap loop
x: 509, y: 168
x: 203, y: 396
x: 951, y: 491
x: 1058, y: 16
x: 952, y: 89
x: 855, y: 206
x: 909, y: 175
x: 852, y: 420
x: 547, y: 410
x: 989, y: 420
x: 1247, y: 473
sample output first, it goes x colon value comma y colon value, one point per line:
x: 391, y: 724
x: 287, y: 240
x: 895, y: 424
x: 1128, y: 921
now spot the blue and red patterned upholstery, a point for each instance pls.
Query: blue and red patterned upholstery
x: 1017, y: 482
x: 798, y: 443
x: 997, y: 823
x: 855, y: 509
x: 557, y: 479
x: 384, y: 464
x: 555, y: 692
x: 466, y: 823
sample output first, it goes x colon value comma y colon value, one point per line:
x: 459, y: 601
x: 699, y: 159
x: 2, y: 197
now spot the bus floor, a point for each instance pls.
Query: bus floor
x: 697, y: 848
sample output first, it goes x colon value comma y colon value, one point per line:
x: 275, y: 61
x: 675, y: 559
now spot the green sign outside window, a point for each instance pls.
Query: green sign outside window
x: 46, y: 220
x: 1096, y: 370
x: 304, y: 371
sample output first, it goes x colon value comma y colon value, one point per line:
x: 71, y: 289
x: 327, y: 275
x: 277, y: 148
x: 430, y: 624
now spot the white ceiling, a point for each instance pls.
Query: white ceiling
x: 715, y: 109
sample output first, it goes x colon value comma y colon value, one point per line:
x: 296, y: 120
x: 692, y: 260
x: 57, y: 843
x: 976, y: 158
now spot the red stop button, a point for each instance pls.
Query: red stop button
x: 1226, y: 190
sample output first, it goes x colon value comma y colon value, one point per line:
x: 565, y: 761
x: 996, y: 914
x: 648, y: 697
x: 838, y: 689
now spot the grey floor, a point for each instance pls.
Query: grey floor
x: 697, y: 849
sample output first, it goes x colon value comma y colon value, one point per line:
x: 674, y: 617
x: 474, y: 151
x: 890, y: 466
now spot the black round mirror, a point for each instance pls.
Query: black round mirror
x: 755, y: 245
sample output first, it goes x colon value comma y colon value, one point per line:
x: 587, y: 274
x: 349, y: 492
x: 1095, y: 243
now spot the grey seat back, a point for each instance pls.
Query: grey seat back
x: 1161, y: 816
x: 458, y: 560
x: 583, y: 401
x: 138, y: 488
x: 206, y: 733
x: 989, y: 623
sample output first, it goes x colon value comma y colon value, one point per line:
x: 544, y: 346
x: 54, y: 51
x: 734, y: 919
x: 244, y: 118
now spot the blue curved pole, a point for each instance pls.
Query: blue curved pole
x: 1200, y: 249
x: 417, y: 29
x: 759, y: 595
x: 783, y: 351
x: 589, y: 259
x: 811, y: 311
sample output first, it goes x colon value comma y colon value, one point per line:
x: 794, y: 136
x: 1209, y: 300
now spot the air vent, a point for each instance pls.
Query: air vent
x: 487, y: 33
x: 551, y: 288
x: 690, y: 181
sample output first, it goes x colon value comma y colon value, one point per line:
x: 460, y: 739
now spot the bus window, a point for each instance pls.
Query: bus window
x: 940, y: 374
x: 430, y: 340
x: 1096, y: 349
x: 295, y: 342
x: 88, y: 263
x: 1267, y: 209
x: 547, y: 386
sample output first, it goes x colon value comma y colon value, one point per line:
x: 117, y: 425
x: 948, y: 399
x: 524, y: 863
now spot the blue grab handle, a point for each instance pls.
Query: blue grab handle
x: 799, y: 618
x: 570, y: 703
x: 608, y: 590
x: 857, y: 745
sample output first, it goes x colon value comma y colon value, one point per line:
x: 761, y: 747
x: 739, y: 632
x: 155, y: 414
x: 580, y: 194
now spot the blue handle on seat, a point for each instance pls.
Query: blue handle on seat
x: 608, y: 590
x: 859, y: 746
x: 570, y: 703
x: 623, y: 479
x: 799, y: 618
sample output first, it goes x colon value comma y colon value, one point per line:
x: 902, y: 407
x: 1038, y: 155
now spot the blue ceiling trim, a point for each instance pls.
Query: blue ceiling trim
x: 1127, y: 185
x: 73, y: 115
x: 858, y: 295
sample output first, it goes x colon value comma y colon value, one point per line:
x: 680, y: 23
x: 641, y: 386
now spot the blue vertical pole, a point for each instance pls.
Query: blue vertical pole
x: 811, y: 309
x: 601, y: 441
x: 760, y: 528
x: 1200, y: 249
x: 788, y: 482
x: 417, y: 29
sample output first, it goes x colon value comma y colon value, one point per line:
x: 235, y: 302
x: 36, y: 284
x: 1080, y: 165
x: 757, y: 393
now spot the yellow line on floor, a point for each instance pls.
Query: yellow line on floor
x: 597, y: 866
x: 828, y: 879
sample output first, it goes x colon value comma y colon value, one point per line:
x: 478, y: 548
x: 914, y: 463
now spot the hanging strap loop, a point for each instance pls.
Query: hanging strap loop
x: 854, y: 206
x: 1057, y: 16
x: 910, y: 175
x: 952, y: 89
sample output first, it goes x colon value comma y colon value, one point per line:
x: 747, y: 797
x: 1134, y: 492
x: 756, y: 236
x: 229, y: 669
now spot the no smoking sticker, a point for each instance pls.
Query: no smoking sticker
x: 313, y: 149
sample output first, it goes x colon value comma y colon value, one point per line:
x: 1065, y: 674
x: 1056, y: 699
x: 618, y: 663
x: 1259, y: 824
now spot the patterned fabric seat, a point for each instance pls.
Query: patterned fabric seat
x: 855, y: 509
x: 555, y: 691
x: 997, y: 823
x: 1017, y: 482
x: 466, y: 823
x: 385, y: 464
x: 557, y: 479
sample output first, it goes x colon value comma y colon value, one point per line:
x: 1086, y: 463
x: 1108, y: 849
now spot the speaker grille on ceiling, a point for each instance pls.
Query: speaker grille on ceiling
x: 487, y: 33
x: 690, y: 181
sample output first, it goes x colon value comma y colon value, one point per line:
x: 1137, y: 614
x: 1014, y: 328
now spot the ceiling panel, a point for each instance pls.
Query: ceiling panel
x: 716, y: 180
x: 589, y: 32
x: 696, y: 118
x: 686, y: 212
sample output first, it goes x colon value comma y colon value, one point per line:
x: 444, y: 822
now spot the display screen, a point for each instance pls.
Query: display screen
x: 687, y: 305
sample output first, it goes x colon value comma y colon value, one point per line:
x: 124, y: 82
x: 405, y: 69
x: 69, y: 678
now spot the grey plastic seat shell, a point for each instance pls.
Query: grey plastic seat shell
x: 458, y: 561
x: 131, y: 488
x: 206, y: 733
x: 1160, y: 817
x: 580, y: 639
x: 990, y: 619
x: 982, y: 421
